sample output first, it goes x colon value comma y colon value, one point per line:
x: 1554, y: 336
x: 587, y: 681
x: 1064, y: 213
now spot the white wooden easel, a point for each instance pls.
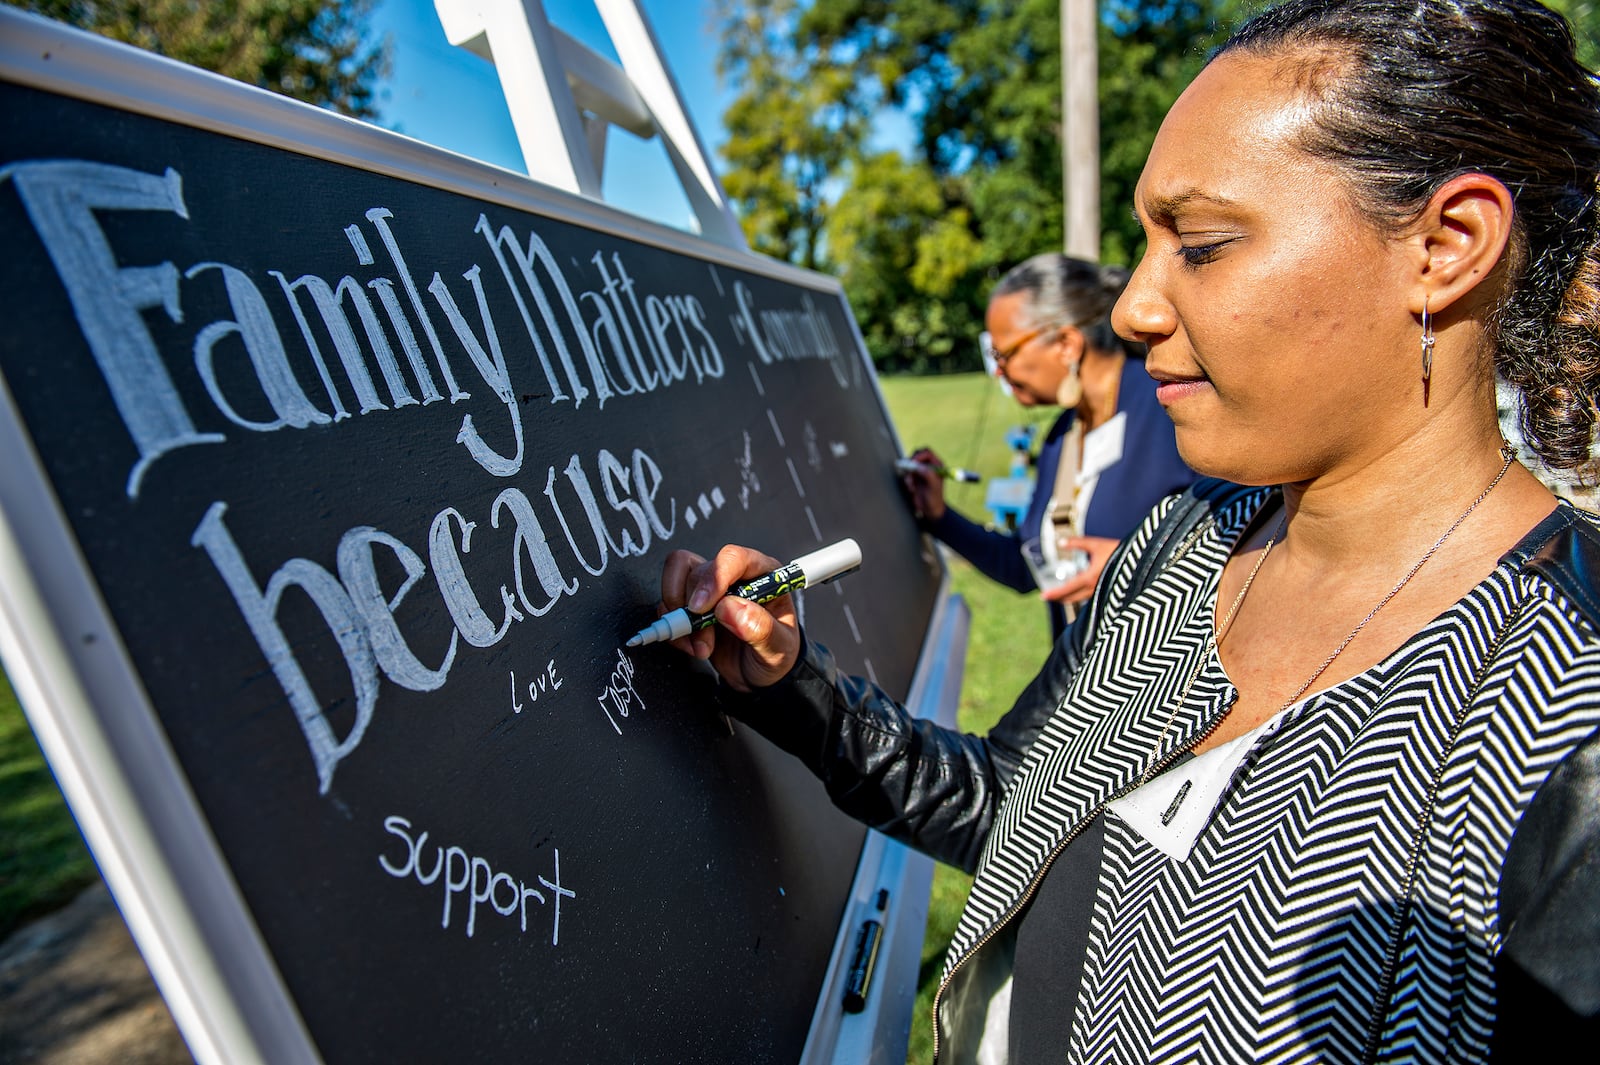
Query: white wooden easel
x: 564, y: 97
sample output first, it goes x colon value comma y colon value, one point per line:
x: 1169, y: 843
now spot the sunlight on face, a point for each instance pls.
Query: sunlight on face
x: 1275, y: 313
x: 1032, y: 355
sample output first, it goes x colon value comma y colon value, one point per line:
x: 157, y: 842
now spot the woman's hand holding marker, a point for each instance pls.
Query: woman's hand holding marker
x: 751, y: 645
x: 947, y: 473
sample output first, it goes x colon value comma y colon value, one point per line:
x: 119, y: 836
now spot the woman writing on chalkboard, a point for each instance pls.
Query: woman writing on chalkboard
x: 1105, y: 461
x: 1311, y: 777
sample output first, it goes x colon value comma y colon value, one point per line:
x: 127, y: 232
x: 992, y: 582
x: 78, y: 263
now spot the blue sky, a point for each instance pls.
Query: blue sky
x: 449, y: 97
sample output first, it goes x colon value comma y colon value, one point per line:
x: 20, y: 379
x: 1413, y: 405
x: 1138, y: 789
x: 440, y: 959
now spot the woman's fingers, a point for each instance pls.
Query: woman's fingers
x: 766, y: 645
x: 675, y: 578
x: 711, y: 580
x: 751, y: 644
x: 925, y: 487
x: 1081, y: 586
x: 1073, y: 590
x: 675, y: 587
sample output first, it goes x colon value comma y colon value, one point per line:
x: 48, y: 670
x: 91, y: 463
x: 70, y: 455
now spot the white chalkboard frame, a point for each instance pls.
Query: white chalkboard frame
x: 879, y: 1033
x: 88, y: 707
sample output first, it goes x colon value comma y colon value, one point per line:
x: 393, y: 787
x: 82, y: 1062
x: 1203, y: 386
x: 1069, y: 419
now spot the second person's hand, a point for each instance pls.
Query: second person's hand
x: 1081, y: 585
x: 925, y: 486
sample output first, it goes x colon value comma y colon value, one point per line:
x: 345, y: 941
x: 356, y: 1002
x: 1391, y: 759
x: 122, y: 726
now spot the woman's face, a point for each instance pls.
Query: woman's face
x: 1033, y: 361
x: 1276, y: 315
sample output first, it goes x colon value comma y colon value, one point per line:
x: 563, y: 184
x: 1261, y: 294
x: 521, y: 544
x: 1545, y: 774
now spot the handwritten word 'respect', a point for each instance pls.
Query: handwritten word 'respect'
x: 619, y: 693
x: 471, y: 881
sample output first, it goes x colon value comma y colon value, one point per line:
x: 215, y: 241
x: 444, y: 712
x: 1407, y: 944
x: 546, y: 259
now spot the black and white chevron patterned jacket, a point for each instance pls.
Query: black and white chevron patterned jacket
x: 1353, y: 895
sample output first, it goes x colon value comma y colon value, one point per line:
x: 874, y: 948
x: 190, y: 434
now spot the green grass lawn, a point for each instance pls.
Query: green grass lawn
x: 964, y: 418
x: 43, y: 862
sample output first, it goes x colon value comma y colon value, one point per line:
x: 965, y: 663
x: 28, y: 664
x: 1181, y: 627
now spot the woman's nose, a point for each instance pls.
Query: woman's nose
x: 1141, y: 312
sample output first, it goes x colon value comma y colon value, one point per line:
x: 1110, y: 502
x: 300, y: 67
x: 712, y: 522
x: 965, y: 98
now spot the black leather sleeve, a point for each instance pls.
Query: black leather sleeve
x: 933, y: 788
x: 1550, y: 884
x: 1548, y: 969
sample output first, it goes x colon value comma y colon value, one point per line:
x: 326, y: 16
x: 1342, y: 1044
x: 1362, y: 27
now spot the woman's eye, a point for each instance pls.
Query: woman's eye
x: 1200, y: 254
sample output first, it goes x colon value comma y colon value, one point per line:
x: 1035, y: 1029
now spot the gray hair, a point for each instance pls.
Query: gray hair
x: 1061, y: 290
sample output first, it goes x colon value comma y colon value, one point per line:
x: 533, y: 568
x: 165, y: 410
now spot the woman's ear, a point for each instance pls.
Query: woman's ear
x: 1070, y: 343
x: 1460, y: 240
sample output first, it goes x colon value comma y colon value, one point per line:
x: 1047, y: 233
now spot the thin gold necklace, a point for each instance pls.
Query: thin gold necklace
x: 1214, y: 640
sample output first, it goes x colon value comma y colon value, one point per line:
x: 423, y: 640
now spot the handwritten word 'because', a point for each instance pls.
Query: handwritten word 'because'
x: 361, y: 613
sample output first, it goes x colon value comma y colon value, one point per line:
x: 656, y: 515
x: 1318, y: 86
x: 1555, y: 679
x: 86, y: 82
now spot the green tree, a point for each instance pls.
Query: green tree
x: 794, y: 124
x: 311, y: 50
x: 919, y: 239
x: 1585, y: 18
x: 905, y: 257
x: 983, y: 79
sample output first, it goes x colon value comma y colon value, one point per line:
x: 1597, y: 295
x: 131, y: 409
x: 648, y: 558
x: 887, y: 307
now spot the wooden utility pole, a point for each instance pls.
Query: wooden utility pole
x: 1080, y: 129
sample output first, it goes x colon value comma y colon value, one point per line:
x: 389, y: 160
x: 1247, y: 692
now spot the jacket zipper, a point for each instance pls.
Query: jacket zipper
x: 1188, y: 542
x: 1391, y: 961
x: 1055, y: 852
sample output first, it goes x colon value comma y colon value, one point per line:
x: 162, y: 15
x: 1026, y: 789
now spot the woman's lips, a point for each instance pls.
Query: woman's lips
x: 1169, y: 392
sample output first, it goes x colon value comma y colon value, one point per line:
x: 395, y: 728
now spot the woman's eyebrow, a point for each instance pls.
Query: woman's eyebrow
x: 1165, y: 208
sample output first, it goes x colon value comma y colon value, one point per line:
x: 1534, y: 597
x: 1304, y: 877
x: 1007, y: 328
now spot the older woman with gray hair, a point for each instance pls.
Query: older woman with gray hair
x: 1105, y: 461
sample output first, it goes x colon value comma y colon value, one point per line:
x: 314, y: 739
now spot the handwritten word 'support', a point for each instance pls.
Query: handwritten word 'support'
x: 469, y: 882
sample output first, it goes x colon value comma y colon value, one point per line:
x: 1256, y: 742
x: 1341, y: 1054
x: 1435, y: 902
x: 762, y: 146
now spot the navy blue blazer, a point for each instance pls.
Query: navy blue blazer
x: 1148, y: 471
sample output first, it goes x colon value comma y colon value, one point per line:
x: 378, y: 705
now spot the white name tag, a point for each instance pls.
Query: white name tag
x: 1172, y: 810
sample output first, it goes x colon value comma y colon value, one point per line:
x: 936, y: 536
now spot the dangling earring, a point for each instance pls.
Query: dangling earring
x: 1427, y: 351
x: 1070, y: 390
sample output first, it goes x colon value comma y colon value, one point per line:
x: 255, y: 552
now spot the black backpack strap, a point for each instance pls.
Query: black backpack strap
x: 1189, y: 517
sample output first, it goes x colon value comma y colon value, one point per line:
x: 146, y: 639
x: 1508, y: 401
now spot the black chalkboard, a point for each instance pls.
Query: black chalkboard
x: 374, y: 478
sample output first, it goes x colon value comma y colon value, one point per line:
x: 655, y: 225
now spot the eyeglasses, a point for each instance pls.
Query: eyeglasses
x: 1000, y: 358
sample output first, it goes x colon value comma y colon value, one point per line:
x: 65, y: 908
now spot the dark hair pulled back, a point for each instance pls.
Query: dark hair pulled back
x: 1061, y: 290
x: 1412, y: 93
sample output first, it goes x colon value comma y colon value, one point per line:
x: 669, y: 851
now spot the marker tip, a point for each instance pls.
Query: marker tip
x: 635, y: 641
